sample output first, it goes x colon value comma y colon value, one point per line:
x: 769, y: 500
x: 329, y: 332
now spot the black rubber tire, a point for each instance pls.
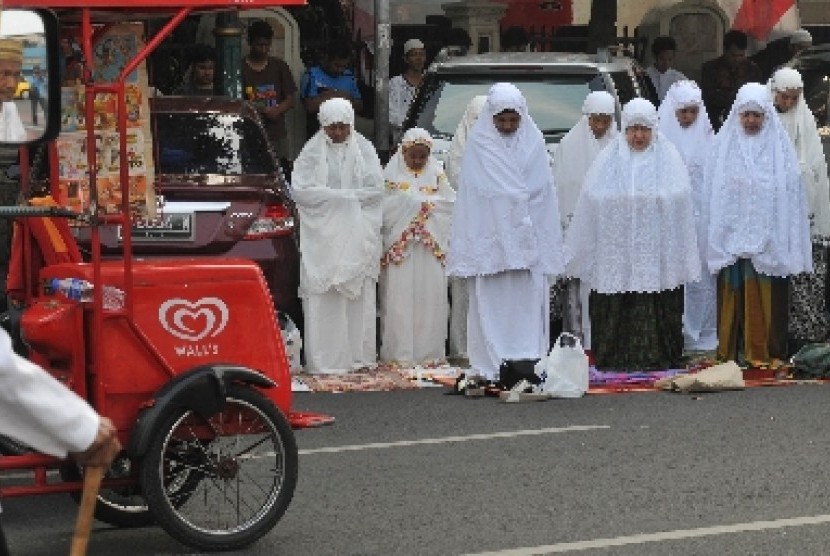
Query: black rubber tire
x: 11, y: 447
x: 123, y: 507
x: 169, y: 458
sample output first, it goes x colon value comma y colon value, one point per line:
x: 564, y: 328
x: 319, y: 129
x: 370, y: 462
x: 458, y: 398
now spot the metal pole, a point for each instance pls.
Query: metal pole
x: 383, y: 48
x: 228, y: 33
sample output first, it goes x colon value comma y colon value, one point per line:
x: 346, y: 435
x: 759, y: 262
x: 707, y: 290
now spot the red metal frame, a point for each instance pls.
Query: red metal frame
x: 89, y: 377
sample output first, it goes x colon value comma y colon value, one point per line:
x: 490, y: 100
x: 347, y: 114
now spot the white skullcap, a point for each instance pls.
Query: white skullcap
x: 412, y: 43
x: 801, y: 36
x: 639, y: 111
x: 599, y: 102
x: 416, y: 136
x: 786, y: 78
x: 336, y: 111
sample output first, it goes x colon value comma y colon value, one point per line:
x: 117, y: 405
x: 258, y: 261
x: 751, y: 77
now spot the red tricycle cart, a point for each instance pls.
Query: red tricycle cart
x: 184, y: 355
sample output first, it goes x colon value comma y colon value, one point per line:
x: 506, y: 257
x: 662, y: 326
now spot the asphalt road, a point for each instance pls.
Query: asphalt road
x: 419, y: 472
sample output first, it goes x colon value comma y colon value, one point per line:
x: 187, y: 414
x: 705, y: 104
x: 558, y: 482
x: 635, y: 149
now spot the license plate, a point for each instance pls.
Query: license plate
x: 167, y: 227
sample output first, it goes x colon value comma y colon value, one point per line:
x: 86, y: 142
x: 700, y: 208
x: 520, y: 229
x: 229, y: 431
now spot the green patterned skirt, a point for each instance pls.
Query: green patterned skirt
x: 637, y: 331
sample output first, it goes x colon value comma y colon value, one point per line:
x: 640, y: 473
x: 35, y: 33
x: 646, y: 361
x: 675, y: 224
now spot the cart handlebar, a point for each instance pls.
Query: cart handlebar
x: 31, y: 212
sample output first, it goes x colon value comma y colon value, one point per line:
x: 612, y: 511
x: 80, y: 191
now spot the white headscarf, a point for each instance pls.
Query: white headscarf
x: 506, y: 215
x: 633, y: 229
x: 801, y: 126
x: 313, y: 161
x: 400, y: 177
x: 757, y: 205
x: 692, y: 141
x: 459, y: 140
x: 578, y: 149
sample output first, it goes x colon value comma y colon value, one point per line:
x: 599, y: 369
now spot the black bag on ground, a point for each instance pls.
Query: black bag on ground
x: 513, y: 371
x: 812, y: 361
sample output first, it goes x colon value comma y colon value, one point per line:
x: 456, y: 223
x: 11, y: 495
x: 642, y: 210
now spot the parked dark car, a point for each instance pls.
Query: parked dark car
x: 221, y: 192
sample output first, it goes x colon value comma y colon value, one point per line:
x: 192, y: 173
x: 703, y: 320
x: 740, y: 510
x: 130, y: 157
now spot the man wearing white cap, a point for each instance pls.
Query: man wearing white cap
x: 402, y: 88
x: 809, y: 320
x: 574, y: 155
x: 11, y: 60
x: 338, y: 188
x: 800, y: 39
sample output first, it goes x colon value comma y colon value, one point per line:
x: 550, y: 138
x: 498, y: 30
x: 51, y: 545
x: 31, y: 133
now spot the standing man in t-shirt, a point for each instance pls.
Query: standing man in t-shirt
x: 268, y: 84
x: 332, y: 78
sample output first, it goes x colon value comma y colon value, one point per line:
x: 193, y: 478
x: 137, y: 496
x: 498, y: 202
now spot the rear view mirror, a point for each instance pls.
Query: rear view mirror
x: 29, y: 77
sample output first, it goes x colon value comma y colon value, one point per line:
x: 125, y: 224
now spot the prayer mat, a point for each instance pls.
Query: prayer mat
x: 364, y: 380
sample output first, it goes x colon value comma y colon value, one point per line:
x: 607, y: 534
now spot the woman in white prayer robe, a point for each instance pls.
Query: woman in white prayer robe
x: 633, y: 239
x: 505, y: 237
x: 808, y: 319
x: 757, y: 228
x: 417, y: 208
x: 573, y: 156
x: 338, y: 189
x: 684, y: 122
x: 459, y: 296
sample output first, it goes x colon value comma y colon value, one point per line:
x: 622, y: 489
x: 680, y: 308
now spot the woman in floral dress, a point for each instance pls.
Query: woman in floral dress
x: 417, y: 210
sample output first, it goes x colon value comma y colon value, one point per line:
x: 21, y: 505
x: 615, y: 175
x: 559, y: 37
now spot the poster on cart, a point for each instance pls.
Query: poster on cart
x: 115, y: 48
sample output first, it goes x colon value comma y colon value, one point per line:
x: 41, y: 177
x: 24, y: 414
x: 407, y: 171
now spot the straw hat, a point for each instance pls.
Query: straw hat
x: 11, y: 50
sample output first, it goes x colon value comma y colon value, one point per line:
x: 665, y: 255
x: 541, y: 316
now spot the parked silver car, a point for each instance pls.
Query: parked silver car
x: 554, y: 84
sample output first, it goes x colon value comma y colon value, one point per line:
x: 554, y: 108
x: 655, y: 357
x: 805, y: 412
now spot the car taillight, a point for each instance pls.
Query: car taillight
x: 275, y: 220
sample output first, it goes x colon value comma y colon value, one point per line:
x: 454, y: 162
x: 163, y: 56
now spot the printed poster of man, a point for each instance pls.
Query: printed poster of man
x: 111, y: 54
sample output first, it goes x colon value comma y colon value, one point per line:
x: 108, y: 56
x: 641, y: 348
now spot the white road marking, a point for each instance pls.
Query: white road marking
x: 449, y: 439
x: 678, y: 534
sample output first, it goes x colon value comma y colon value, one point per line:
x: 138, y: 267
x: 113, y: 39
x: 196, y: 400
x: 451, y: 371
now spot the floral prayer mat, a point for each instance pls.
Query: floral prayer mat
x: 364, y: 380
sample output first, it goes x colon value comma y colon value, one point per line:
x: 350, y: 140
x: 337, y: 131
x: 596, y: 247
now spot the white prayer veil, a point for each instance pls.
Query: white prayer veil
x: 578, y: 149
x: 801, y: 126
x: 757, y: 205
x: 506, y: 215
x: 459, y: 139
x: 312, y: 165
x: 692, y: 141
x: 633, y: 229
x: 397, y: 171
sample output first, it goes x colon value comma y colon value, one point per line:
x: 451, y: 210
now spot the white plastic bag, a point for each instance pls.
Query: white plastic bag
x: 293, y: 341
x: 564, y: 372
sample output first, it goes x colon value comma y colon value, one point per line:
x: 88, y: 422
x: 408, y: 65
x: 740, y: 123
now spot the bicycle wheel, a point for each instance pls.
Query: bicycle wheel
x: 221, y: 483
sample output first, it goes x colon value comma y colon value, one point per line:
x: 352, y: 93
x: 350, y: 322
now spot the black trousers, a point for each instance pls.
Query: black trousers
x: 4, y: 548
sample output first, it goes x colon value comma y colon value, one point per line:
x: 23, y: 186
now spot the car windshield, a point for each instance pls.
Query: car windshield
x: 208, y: 143
x: 554, y: 102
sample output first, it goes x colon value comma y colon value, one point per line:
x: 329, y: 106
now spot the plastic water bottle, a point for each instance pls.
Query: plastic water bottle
x: 78, y: 289
x: 75, y: 289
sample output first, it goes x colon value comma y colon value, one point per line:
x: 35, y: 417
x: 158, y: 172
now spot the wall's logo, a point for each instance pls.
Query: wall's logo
x: 194, y: 321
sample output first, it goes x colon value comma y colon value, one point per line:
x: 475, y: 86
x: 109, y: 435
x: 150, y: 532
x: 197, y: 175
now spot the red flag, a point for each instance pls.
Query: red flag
x: 756, y: 18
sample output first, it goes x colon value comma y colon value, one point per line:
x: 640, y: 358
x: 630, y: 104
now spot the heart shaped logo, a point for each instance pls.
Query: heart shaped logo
x: 193, y: 321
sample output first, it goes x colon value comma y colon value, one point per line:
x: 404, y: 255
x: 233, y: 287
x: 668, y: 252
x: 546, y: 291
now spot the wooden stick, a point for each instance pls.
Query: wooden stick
x: 83, y: 526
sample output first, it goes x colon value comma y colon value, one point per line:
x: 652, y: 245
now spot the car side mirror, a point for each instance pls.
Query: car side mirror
x: 29, y: 54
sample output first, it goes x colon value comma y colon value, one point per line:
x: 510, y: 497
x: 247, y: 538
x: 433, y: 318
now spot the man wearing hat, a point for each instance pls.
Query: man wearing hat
x: 800, y: 39
x: 11, y: 60
x: 402, y: 88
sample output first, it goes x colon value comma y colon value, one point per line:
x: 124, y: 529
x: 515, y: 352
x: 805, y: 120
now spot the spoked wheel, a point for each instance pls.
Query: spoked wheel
x: 121, y: 506
x: 223, y: 482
